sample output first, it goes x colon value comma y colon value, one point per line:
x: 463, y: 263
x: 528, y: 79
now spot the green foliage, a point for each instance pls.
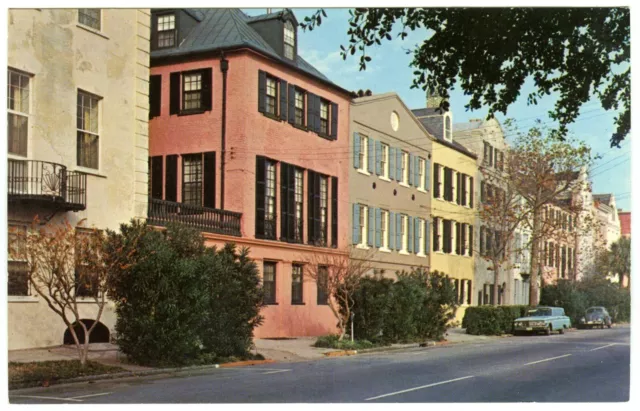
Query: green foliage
x: 178, y: 302
x: 489, y: 53
x: 32, y: 374
x: 492, y: 320
x: 332, y: 341
x: 576, y: 297
x: 415, y: 307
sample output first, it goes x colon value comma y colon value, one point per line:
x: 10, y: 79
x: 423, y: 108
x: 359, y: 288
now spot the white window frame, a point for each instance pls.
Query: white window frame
x: 384, y: 230
x: 422, y: 169
x: 364, y: 226
x: 364, y: 154
x: 98, y: 29
x: 96, y: 133
x: 19, y: 113
x: 405, y: 168
x: 289, y: 29
x: 421, y: 233
x: 405, y: 234
x: 385, y: 160
x: 170, y: 27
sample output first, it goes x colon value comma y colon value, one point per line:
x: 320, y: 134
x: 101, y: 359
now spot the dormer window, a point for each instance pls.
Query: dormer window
x: 447, y: 129
x: 166, y: 30
x: 289, y: 40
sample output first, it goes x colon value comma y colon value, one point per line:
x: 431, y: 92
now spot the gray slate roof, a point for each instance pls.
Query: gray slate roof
x: 229, y: 28
x: 471, y: 125
x: 432, y: 120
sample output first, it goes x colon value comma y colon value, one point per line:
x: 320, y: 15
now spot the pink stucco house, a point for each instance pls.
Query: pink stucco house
x: 249, y: 143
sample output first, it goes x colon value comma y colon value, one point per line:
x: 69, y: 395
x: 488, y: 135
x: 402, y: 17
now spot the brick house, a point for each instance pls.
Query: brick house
x: 248, y: 143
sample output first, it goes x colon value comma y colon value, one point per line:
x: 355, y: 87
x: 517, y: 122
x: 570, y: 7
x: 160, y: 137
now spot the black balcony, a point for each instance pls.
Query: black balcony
x: 205, y: 219
x: 46, y: 184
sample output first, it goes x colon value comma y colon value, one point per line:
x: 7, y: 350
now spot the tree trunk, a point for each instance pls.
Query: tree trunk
x: 496, y: 283
x: 535, y: 261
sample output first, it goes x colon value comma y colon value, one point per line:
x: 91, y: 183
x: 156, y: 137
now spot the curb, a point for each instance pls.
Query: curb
x: 128, y: 374
x: 340, y: 353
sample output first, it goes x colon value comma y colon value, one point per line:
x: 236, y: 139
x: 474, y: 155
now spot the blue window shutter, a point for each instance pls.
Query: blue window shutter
x: 398, y: 232
x: 356, y: 224
x: 378, y: 157
x: 356, y: 150
x: 392, y: 162
x: 416, y: 236
x: 426, y: 237
x: 371, y: 154
x: 392, y: 232
x: 411, y: 234
x: 371, y: 227
x: 399, y: 175
x: 416, y: 171
x: 427, y: 174
x: 411, y: 167
x: 378, y: 223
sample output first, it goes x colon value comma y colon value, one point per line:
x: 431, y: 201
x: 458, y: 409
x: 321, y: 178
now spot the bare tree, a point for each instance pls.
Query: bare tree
x: 65, y: 264
x: 337, y: 275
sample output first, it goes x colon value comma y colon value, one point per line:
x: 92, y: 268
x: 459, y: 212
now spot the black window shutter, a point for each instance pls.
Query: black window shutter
x: 316, y: 113
x: 436, y: 234
x: 470, y: 240
x: 447, y: 184
x: 209, y: 180
x: 205, y: 96
x: 260, y: 187
x: 171, y: 181
x: 284, y: 204
x: 283, y: 100
x: 311, y: 124
x: 317, y: 228
x: 471, y: 192
x: 436, y: 180
x: 262, y: 91
x: 458, y: 188
x: 154, y: 32
x: 155, y: 93
x: 334, y: 212
x: 469, y: 293
x: 174, y: 97
x: 310, y: 206
x: 291, y: 203
x: 156, y: 177
x: 292, y: 103
x: 334, y: 121
x: 458, y: 237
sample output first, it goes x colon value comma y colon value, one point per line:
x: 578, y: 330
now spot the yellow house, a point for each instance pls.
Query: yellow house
x: 452, y: 205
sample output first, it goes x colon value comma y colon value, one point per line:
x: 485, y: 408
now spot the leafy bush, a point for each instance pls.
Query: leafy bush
x: 492, y: 320
x: 179, y: 302
x: 33, y: 374
x: 332, y: 341
x: 417, y: 306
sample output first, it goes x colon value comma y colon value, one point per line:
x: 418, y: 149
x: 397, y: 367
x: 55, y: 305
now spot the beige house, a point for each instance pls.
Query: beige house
x: 77, y: 138
x: 389, y: 184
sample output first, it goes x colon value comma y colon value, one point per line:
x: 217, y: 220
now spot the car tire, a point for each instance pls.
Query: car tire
x: 561, y: 330
x: 548, y: 331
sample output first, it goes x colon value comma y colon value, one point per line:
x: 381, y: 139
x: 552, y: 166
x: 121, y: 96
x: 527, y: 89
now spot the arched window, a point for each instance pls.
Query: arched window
x: 289, y: 40
x: 447, y: 128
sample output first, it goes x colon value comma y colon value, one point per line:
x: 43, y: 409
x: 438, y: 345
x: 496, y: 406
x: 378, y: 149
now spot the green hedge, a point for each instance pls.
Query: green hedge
x: 492, y: 320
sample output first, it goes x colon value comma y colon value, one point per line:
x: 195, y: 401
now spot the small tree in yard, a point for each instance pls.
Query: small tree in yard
x: 66, y: 263
x: 617, y: 260
x: 337, y: 276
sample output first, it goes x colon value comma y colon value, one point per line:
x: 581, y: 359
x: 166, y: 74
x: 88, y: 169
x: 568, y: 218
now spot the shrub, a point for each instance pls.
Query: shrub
x: 180, y: 303
x: 566, y: 294
x: 492, y: 320
x: 331, y: 341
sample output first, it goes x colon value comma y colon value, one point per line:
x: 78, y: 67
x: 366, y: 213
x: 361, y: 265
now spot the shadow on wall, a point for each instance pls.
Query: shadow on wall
x: 100, y: 334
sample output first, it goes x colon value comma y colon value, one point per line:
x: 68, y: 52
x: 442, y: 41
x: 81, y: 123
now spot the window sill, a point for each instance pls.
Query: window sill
x: 383, y: 178
x: 191, y: 112
x: 12, y: 156
x: 299, y: 127
x: 384, y: 250
x: 403, y: 184
x: 90, y: 171
x: 422, y: 255
x: 326, y: 136
x: 298, y: 303
x: 422, y: 190
x: 92, y: 30
x: 403, y: 252
x: 362, y: 247
x: 271, y: 304
x: 361, y: 171
x: 271, y: 116
x: 22, y: 299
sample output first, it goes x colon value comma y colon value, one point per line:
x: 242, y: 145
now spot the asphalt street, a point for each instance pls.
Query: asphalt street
x: 579, y: 366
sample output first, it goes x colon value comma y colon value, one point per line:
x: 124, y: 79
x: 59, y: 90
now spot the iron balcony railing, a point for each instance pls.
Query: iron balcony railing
x: 205, y: 219
x: 46, y: 183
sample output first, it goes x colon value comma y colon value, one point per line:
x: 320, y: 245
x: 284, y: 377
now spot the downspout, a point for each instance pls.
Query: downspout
x: 224, y: 67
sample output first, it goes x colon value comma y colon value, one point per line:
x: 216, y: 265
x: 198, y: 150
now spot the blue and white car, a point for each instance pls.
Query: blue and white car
x: 542, y: 319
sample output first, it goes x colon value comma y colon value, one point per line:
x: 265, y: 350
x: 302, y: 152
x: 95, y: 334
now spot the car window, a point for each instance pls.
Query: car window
x: 540, y: 312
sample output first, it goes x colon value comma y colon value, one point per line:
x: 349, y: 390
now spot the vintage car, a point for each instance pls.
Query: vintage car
x: 595, y: 317
x: 542, y: 319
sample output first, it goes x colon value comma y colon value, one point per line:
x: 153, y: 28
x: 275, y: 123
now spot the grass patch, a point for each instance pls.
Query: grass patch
x: 331, y: 341
x: 32, y: 374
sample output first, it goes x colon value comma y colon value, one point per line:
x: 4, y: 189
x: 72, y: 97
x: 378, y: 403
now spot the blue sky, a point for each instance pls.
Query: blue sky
x: 389, y: 71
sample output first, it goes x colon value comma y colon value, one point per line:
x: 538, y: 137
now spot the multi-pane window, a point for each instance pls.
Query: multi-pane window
x: 404, y: 232
x: 363, y: 224
x: 89, y: 17
x: 296, y: 284
x: 421, y: 171
x: 297, y: 232
x: 405, y: 167
x: 270, y: 200
x: 166, y: 30
x: 299, y: 107
x: 447, y: 128
x: 289, y: 40
x: 192, y: 179
x: 269, y: 282
x: 17, y: 112
x: 324, y: 204
x: 18, y: 284
x: 384, y: 160
x: 272, y: 95
x: 420, y: 234
x: 323, y: 282
x: 88, y: 131
x: 324, y: 117
x: 364, y: 152
x: 384, y: 228
x: 191, y: 91
x: 436, y: 234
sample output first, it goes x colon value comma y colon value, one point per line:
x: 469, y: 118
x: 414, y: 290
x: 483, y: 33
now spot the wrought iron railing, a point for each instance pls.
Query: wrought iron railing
x: 46, y: 182
x: 210, y: 220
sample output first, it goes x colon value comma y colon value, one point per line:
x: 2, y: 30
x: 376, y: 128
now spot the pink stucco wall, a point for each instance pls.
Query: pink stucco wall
x: 249, y: 133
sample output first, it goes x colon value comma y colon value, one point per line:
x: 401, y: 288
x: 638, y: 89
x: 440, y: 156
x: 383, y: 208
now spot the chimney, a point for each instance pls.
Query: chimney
x: 434, y: 100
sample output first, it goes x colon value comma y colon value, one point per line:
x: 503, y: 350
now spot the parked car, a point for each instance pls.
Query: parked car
x: 542, y: 319
x: 596, y: 317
